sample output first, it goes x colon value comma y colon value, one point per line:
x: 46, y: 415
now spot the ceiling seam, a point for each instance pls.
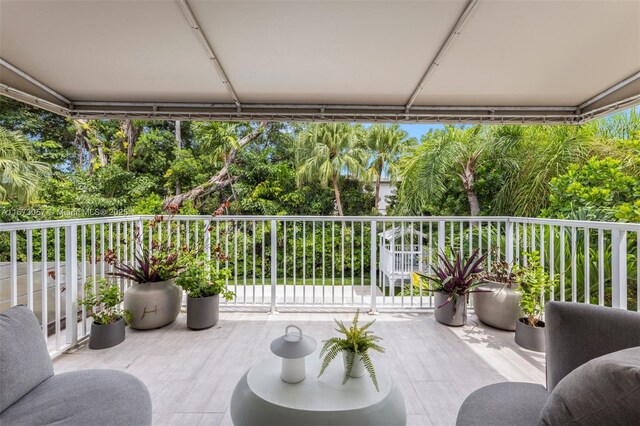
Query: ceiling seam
x: 462, y: 19
x: 193, y: 22
x: 627, y: 81
x: 33, y: 81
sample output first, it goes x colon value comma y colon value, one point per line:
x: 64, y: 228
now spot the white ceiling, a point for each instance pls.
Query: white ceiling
x: 514, y: 61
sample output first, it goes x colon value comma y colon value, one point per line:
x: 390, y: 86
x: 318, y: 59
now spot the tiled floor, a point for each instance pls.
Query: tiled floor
x: 191, y: 374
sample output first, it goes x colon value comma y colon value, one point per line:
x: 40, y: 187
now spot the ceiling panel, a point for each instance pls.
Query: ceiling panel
x: 538, y: 53
x: 326, y: 51
x: 109, y: 50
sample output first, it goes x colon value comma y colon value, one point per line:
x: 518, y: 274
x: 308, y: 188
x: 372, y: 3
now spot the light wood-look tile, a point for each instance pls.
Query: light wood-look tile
x: 191, y: 374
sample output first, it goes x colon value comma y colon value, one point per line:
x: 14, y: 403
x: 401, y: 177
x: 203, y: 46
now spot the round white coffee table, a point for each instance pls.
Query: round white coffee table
x: 261, y: 398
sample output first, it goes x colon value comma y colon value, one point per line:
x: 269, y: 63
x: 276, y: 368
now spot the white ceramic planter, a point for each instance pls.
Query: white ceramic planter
x: 499, y: 306
x: 358, y: 369
x: 153, y: 305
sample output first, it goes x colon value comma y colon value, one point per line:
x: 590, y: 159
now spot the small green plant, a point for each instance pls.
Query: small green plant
x: 103, y: 305
x: 534, y: 281
x: 200, y: 278
x: 357, y: 342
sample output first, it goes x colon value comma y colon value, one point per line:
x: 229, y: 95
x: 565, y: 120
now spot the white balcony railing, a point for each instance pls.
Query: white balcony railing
x: 296, y: 262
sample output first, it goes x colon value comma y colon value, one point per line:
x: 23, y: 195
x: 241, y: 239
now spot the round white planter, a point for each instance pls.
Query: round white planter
x: 153, y: 305
x: 358, y: 368
x: 499, y: 307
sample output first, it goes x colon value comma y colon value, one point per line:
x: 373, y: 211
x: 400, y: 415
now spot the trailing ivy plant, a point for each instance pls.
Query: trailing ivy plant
x: 357, y: 341
x: 103, y: 305
x: 534, y: 281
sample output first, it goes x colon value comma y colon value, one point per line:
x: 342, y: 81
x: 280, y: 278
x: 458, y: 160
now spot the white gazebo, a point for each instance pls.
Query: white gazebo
x: 401, y: 253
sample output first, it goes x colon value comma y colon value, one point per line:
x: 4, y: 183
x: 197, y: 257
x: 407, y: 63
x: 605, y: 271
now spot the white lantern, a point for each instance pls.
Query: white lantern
x: 293, y: 347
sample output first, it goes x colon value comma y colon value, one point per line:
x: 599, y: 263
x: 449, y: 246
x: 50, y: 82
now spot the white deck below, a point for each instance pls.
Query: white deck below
x: 191, y: 374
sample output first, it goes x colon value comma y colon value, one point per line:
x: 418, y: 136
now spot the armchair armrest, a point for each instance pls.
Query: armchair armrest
x: 577, y: 333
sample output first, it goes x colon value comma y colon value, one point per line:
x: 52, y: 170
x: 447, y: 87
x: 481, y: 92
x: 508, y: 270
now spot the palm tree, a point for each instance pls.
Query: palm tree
x: 453, y: 151
x: 327, y: 151
x: 385, y: 145
x: 19, y: 173
x: 543, y: 153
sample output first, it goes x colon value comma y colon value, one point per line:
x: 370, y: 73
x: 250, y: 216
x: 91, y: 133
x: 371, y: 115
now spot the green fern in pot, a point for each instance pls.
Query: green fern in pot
x: 354, y: 347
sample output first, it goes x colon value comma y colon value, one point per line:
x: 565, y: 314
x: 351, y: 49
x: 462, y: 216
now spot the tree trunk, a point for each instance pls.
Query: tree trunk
x: 179, y: 146
x: 80, y: 141
x: 221, y: 179
x: 102, y: 156
x: 131, y: 133
x: 468, y: 179
x: 83, y: 142
x: 378, y: 179
x: 336, y: 190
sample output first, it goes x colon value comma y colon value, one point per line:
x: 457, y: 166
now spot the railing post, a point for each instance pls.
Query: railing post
x: 139, y: 237
x: 71, y: 282
x: 274, y: 266
x: 206, y: 239
x: 13, y: 248
x: 619, y: 268
x: 508, y: 244
x: 442, y: 234
x: 373, y: 267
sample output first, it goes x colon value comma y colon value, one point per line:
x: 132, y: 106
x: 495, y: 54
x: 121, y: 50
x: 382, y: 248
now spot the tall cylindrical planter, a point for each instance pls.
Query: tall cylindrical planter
x: 203, y: 312
x: 530, y: 337
x: 106, y: 336
x: 153, y: 305
x: 497, y: 305
x: 452, y: 313
x: 358, y: 369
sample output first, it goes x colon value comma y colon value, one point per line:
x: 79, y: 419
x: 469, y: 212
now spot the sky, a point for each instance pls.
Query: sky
x: 417, y: 130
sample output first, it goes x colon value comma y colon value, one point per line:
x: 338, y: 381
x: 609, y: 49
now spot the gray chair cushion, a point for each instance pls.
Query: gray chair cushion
x: 86, y: 397
x: 606, y: 390
x: 577, y: 333
x: 509, y: 403
x: 24, y: 358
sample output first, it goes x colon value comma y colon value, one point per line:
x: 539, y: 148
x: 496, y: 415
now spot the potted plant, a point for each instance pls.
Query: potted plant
x: 533, y: 281
x: 204, y: 284
x: 154, y: 301
x: 451, y: 284
x: 354, y: 347
x: 103, y: 305
x: 498, y: 302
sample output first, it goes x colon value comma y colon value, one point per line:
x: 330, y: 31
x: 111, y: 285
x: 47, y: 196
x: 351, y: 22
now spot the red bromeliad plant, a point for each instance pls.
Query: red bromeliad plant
x: 454, y: 279
x: 159, y: 262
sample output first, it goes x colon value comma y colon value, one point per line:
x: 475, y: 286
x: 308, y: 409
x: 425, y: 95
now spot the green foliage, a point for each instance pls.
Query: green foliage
x: 357, y: 342
x: 201, y: 278
x: 534, y: 282
x: 20, y: 173
x: 151, y: 204
x: 103, y: 305
x: 597, y: 188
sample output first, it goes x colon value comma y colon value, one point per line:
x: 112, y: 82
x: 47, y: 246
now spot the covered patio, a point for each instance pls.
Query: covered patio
x: 456, y: 62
